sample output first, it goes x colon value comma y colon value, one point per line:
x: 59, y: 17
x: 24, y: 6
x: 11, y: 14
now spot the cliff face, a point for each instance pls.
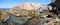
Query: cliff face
x: 56, y: 3
x: 53, y: 1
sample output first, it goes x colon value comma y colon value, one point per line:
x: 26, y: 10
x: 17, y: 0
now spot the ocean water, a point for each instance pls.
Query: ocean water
x: 5, y: 8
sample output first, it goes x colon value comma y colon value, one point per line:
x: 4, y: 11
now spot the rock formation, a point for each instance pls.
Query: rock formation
x: 24, y: 12
x: 4, y: 15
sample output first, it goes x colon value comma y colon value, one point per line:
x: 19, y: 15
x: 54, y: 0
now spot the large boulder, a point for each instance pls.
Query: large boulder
x: 4, y: 15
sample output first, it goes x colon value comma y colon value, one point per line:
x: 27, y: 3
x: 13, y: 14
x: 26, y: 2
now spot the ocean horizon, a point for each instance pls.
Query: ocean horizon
x: 4, y: 8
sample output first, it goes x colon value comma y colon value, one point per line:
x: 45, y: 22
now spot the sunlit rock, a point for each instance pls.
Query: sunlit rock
x: 25, y: 11
x: 4, y: 15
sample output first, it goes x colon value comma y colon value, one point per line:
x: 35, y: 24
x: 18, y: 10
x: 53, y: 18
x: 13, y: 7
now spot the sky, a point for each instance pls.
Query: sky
x: 12, y: 3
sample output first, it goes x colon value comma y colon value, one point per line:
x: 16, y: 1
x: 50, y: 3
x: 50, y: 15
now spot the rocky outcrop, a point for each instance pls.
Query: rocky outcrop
x: 28, y: 14
x: 24, y: 12
x: 25, y: 9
